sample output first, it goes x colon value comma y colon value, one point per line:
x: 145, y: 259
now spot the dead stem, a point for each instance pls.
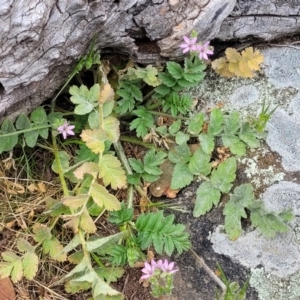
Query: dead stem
x: 201, y: 261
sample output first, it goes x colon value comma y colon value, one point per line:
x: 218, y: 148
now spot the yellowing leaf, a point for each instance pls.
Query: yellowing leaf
x: 221, y: 67
x: 102, y: 197
x: 112, y: 172
x: 42, y: 187
x: 41, y: 232
x: 73, y: 223
x: 5, y: 269
x: 238, y: 64
x: 234, y: 67
x: 244, y: 69
x: 54, y: 248
x: 94, y: 139
x: 17, y: 271
x: 75, y: 201
x: 86, y: 168
x: 253, y: 58
x: 111, y: 128
x: 24, y: 246
x: 30, y: 265
x: 107, y: 93
x: 232, y: 55
x: 86, y: 222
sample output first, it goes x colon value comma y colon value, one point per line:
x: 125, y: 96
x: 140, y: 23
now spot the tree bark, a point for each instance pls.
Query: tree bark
x: 41, y: 41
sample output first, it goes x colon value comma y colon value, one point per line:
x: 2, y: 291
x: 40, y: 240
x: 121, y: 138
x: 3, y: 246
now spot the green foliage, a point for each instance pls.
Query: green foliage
x: 209, y: 192
x: 121, y: 216
x: 177, y: 104
x: 28, y: 128
x: 17, y: 266
x: 143, y: 122
x: 269, y: 223
x: 148, y: 75
x: 233, y: 290
x: 175, y: 79
x: 85, y: 99
x: 148, y: 169
x: 261, y: 121
x: 91, y: 178
x: 161, y: 232
x: 130, y: 93
x: 84, y: 276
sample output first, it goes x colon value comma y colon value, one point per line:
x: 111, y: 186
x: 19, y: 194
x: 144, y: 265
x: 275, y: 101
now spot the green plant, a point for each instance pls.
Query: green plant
x: 233, y: 290
x: 92, y: 176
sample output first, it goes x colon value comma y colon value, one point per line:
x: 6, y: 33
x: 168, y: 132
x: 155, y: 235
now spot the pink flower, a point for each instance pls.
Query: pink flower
x: 168, y: 267
x: 161, y: 266
x: 190, y: 44
x: 148, y: 269
x: 204, y: 50
x: 66, y: 129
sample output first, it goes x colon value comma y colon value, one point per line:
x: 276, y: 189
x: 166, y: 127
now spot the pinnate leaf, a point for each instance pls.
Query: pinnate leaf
x: 102, y: 197
x: 167, y: 79
x: 94, y: 139
x: 232, y: 55
x: 234, y: 209
x: 207, y: 196
x: 269, y: 223
x: 224, y: 175
x: 234, y: 143
x: 41, y: 232
x: 84, y: 98
x: 75, y: 201
x: 111, y: 127
x: 180, y: 153
x: 181, y: 176
x: 232, y: 123
x: 200, y: 163
x: 152, y: 161
x: 216, y: 122
x: 87, y: 168
x: 195, y: 125
x: 253, y: 58
x: 220, y: 66
x: 249, y: 135
x: 107, y: 93
x: 86, y: 222
x: 17, y: 271
x: 30, y: 265
x: 111, y: 171
x: 175, y: 69
x: 207, y: 142
x: 9, y: 142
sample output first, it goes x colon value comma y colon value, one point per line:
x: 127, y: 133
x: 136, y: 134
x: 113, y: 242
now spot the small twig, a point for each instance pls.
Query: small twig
x: 137, y: 142
x: 125, y: 283
x: 49, y: 290
x: 201, y: 261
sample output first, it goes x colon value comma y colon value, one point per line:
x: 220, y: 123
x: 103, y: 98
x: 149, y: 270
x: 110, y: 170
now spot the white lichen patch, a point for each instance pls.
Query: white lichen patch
x: 273, y: 287
x: 258, y: 176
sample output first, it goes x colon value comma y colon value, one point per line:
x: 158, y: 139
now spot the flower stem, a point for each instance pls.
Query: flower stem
x: 58, y: 164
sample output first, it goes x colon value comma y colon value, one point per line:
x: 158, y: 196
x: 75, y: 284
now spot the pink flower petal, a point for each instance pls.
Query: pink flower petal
x: 186, y: 39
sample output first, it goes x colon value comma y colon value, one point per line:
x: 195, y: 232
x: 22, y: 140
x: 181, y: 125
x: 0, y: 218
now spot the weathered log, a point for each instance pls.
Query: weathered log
x: 42, y: 40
